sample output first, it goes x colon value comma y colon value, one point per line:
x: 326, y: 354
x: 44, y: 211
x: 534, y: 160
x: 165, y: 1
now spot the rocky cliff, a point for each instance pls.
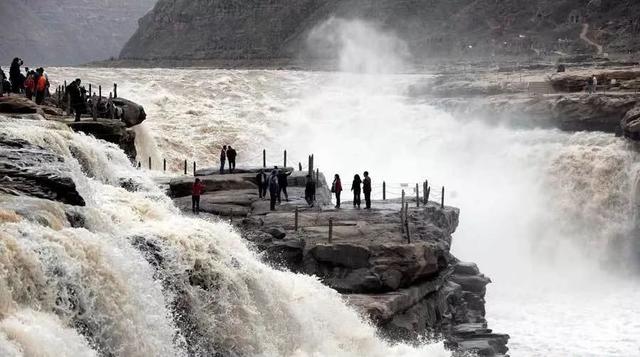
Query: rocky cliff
x: 223, y: 29
x: 53, y: 32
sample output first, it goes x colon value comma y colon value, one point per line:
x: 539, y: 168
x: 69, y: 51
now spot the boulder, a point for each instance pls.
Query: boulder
x: 111, y: 131
x: 630, y: 124
x: 30, y: 170
x: 276, y: 232
x: 132, y: 114
x: 16, y: 104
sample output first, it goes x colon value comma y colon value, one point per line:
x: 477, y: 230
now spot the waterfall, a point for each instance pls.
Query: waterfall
x: 137, y: 278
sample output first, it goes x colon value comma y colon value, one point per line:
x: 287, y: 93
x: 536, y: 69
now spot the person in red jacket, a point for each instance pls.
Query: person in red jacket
x: 336, y: 188
x: 196, y: 191
x: 30, y: 85
x: 41, y: 85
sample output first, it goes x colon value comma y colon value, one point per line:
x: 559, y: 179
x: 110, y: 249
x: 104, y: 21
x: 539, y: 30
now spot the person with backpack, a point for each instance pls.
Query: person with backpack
x: 273, y: 189
x: 283, y: 177
x: 355, y: 187
x: 336, y: 188
x: 310, y: 191
x: 196, y: 190
x: 262, y: 181
x: 366, y: 188
x: 223, y: 159
x: 231, y: 155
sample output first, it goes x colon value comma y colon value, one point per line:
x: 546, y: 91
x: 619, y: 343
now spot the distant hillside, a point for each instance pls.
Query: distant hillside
x: 232, y: 29
x: 55, y: 32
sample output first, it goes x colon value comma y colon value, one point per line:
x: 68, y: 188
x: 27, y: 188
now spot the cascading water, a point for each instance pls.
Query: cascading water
x: 140, y: 279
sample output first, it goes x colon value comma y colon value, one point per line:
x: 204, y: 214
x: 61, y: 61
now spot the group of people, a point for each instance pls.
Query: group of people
x: 276, y: 183
x: 228, y: 153
x: 358, y: 186
x: 33, y: 83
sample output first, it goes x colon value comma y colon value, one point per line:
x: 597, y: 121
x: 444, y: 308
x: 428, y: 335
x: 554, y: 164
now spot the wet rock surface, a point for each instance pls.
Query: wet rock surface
x: 407, y: 289
x: 22, y: 172
x: 111, y: 131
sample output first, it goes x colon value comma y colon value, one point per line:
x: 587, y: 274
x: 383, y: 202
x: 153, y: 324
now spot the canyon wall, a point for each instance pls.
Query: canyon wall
x: 224, y: 29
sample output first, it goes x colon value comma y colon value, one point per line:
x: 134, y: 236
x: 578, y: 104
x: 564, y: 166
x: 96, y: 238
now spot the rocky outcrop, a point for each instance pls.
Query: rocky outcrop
x: 15, y: 104
x: 112, y: 131
x: 130, y: 113
x: 67, y: 31
x: 192, y: 30
x: 22, y: 172
x: 407, y: 289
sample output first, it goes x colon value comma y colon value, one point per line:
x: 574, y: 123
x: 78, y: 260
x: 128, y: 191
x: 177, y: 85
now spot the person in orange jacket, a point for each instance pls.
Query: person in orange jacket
x: 41, y: 85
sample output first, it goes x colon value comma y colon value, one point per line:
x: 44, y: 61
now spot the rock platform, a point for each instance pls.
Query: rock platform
x: 408, y: 289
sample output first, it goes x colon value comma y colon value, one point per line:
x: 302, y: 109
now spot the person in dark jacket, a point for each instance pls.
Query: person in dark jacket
x: 196, y: 190
x: 261, y: 180
x: 2, y: 78
x: 231, y: 155
x: 223, y: 158
x: 15, y: 75
x: 75, y: 98
x: 355, y: 187
x: 310, y: 191
x: 283, y: 177
x: 336, y: 188
x: 366, y: 188
x: 273, y: 189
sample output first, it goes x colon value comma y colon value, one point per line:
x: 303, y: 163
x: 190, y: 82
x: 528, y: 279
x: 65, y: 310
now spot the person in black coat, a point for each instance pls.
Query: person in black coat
x: 231, y: 156
x: 366, y: 188
x: 273, y: 189
x: 283, y: 177
x: 261, y: 179
x: 75, y: 95
x: 355, y: 187
x: 15, y: 75
x: 310, y: 191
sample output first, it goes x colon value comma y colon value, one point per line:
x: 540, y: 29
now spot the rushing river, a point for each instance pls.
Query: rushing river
x: 549, y: 215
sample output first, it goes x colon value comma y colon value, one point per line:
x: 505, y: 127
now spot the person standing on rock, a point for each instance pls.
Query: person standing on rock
x: 75, y: 98
x: 223, y: 159
x: 366, y: 188
x: 2, y: 78
x: 273, y: 189
x: 310, y: 191
x: 41, y: 86
x: 231, y: 155
x: 356, y: 188
x: 283, y: 177
x: 261, y: 179
x: 196, y: 190
x: 30, y: 85
x: 336, y: 188
x: 15, y: 75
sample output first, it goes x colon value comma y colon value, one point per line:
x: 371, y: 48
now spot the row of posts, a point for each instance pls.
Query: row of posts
x: 426, y: 190
x: 62, y: 90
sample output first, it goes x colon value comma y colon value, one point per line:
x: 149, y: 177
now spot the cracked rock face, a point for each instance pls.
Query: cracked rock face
x: 29, y: 170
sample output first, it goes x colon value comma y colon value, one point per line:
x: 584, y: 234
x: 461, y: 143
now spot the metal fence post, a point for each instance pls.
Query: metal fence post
x: 149, y: 162
x: 417, y: 196
x: 442, y: 199
x: 330, y: 229
x: 384, y: 190
x: 194, y: 168
x: 164, y: 165
x: 264, y: 158
x: 296, y: 221
x: 285, y: 159
x: 185, y: 166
